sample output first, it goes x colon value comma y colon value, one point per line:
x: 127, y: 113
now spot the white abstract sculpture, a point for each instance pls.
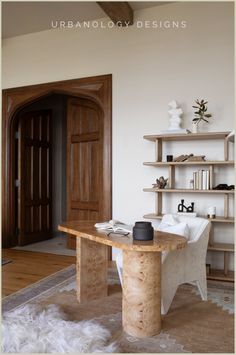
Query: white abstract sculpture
x: 175, y: 114
x: 175, y: 120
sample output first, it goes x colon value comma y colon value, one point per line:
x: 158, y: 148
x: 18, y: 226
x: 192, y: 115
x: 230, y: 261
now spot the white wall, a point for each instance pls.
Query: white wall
x: 150, y: 67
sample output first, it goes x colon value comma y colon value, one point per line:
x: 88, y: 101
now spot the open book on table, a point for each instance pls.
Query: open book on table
x: 114, y: 226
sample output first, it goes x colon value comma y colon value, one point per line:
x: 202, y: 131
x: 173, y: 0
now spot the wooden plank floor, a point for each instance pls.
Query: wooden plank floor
x: 28, y: 267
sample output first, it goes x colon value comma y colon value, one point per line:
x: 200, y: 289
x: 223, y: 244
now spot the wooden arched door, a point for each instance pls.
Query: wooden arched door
x: 85, y: 170
x: 98, y: 91
x: 34, y: 178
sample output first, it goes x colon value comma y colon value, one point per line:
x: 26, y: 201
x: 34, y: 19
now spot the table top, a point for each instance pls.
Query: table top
x: 162, y: 241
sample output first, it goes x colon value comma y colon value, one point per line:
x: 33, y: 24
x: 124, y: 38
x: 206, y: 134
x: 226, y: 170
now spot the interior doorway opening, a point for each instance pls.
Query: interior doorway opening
x: 92, y: 92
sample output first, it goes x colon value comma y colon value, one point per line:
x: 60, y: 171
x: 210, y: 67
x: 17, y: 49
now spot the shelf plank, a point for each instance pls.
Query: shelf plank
x: 189, y: 191
x: 213, y: 220
x: 175, y: 163
x: 187, y: 136
x: 221, y: 247
x: 153, y: 216
x: 219, y: 275
x: 222, y: 219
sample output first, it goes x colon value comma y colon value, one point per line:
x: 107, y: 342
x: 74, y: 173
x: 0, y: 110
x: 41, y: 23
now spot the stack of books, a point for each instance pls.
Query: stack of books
x: 201, y: 180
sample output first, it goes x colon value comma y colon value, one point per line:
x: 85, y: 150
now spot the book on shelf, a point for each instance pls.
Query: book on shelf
x: 201, y: 180
x: 114, y: 226
x: 205, y: 180
x: 195, y: 180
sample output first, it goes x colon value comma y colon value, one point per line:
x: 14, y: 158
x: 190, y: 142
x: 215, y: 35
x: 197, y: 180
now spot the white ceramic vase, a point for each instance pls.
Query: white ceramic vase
x: 194, y: 127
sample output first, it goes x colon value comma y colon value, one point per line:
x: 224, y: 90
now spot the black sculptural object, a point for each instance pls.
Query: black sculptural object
x: 182, y: 207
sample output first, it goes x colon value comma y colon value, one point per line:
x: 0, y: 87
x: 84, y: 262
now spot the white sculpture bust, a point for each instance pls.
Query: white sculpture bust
x: 175, y: 114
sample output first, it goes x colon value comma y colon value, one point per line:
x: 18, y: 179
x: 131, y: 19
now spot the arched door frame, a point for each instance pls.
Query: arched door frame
x: 97, y: 89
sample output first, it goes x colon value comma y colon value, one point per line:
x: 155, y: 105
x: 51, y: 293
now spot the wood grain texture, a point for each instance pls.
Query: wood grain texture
x: 188, y: 190
x: 226, y: 262
x: 86, y: 230
x: 220, y: 276
x: 158, y: 150
x: 188, y: 163
x: 189, y: 137
x: 141, y: 302
x: 217, y: 219
x: 97, y: 89
x: 85, y: 191
x: 159, y: 203
x: 120, y: 12
x: 91, y: 264
x: 28, y: 267
x: 141, y: 273
x: 221, y: 247
x: 171, y: 181
x: 35, y: 177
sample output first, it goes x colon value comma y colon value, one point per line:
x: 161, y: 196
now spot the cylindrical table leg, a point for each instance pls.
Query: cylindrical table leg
x: 141, y: 304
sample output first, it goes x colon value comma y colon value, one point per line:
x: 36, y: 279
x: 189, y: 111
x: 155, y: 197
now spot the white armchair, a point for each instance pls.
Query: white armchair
x: 187, y: 265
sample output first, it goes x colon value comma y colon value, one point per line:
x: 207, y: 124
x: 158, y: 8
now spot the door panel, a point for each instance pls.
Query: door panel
x: 34, y: 174
x: 84, y: 161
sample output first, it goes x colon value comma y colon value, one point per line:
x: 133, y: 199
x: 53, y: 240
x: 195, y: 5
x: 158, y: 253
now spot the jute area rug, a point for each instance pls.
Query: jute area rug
x: 191, y: 325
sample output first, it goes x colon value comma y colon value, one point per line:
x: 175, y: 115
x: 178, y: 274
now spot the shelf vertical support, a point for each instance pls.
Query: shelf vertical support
x: 171, y: 177
x: 211, y: 236
x: 226, y: 149
x: 159, y: 150
x: 226, y: 262
x: 158, y: 204
x: 226, y: 205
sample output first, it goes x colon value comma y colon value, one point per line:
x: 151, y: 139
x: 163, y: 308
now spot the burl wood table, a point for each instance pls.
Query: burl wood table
x: 141, y: 300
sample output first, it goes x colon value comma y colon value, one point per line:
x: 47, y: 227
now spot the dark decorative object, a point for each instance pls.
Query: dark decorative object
x: 143, y: 231
x: 182, y: 207
x: 223, y: 187
x: 169, y: 158
x: 160, y: 183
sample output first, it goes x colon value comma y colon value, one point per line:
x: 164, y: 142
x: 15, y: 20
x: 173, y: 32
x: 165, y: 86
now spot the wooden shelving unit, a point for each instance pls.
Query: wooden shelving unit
x: 188, y: 137
x: 189, y: 163
x: 224, y: 248
x: 220, y: 275
x: 213, y: 220
x: 189, y: 191
x: 221, y: 247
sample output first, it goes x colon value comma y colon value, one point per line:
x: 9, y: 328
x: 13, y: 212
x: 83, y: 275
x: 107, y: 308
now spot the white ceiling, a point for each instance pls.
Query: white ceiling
x: 20, y: 18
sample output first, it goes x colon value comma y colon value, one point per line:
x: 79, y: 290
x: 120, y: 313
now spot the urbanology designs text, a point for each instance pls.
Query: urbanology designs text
x: 109, y: 24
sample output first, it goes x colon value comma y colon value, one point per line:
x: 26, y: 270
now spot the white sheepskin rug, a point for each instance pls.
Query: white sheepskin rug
x: 31, y: 329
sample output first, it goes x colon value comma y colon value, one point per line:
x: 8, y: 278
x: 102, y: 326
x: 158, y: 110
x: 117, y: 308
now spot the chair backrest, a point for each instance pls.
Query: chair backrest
x: 196, y: 226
